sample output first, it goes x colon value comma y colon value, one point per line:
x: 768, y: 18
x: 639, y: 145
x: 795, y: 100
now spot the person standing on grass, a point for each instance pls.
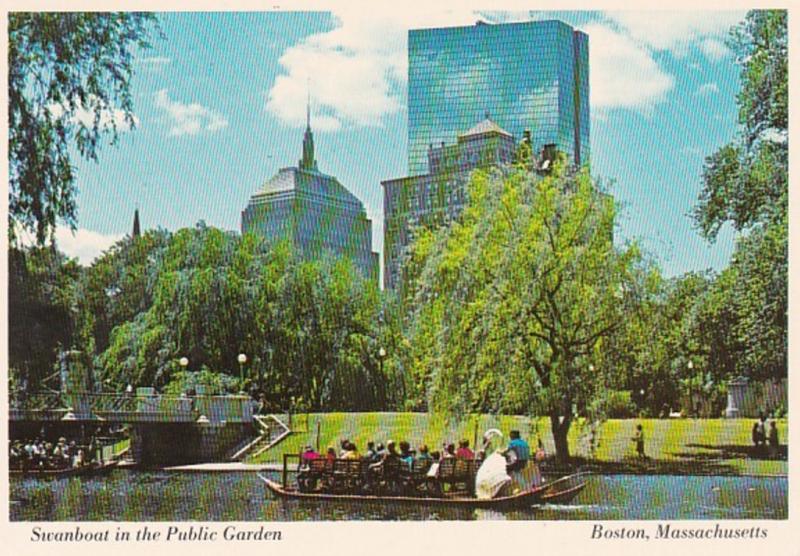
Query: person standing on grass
x: 756, y: 436
x: 774, y: 443
x: 762, y: 429
x: 638, y: 438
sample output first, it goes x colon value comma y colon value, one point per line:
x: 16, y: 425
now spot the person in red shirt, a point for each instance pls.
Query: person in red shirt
x: 309, y: 454
x: 463, y: 451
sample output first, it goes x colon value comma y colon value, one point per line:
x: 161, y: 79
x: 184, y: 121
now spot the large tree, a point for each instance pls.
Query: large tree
x: 42, y: 286
x: 69, y: 83
x: 311, y: 330
x: 745, y: 181
x: 512, y: 302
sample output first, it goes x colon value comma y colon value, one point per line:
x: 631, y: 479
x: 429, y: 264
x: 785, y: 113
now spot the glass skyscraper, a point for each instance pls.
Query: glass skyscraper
x: 526, y: 76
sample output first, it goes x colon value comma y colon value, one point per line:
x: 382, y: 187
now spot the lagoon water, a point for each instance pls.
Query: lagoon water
x: 131, y: 495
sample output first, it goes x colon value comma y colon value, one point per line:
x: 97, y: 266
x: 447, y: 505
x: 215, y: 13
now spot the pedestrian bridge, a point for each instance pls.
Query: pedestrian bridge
x: 132, y: 408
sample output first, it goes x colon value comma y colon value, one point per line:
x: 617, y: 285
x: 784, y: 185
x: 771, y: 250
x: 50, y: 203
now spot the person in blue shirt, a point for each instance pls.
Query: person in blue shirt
x: 518, y: 452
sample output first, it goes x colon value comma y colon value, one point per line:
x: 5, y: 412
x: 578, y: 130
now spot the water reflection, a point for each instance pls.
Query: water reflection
x: 128, y: 495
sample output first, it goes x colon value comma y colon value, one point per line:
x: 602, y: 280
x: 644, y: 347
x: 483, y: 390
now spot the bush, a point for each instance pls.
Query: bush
x: 210, y: 382
x: 619, y: 404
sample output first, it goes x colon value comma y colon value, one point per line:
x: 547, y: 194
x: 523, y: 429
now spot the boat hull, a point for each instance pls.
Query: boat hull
x: 548, y: 493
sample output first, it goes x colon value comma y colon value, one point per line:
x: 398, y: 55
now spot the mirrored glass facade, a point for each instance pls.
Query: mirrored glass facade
x: 525, y: 76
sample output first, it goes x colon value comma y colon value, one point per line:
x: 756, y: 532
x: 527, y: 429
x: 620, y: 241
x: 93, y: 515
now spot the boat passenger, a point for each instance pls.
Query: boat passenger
x: 449, y: 451
x: 463, y: 451
x: 351, y: 452
x: 80, y: 459
x: 518, y: 452
x: 380, y: 451
x: 390, y: 455
x: 406, y: 456
x: 308, y: 455
x: 343, y: 444
x: 372, y: 453
x: 331, y: 454
x: 423, y: 454
x: 391, y: 450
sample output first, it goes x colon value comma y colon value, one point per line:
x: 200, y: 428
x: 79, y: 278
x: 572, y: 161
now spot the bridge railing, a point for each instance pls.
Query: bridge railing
x: 130, y: 407
x: 38, y: 402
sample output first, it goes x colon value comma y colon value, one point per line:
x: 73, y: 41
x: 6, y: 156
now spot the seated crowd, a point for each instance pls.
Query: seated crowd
x: 394, y: 467
x: 39, y: 454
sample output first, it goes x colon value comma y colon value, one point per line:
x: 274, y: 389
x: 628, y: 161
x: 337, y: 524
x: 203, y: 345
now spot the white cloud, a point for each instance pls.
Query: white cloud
x: 85, y: 245
x: 355, y: 69
x: 707, y: 89
x: 358, y: 68
x: 623, y: 74
x: 676, y: 31
x: 714, y: 49
x: 189, y: 119
x: 85, y: 114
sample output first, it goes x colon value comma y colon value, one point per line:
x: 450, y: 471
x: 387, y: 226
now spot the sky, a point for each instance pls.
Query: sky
x: 220, y: 106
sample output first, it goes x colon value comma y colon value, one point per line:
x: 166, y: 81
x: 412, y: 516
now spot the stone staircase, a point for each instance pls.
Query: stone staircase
x: 271, y: 431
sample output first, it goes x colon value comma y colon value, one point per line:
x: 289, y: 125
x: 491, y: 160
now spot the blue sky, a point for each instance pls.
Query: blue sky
x: 220, y: 107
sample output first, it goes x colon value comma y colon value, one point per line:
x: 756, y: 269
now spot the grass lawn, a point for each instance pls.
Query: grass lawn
x: 717, y: 446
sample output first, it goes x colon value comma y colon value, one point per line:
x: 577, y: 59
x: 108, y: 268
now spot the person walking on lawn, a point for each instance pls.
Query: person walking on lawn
x: 638, y: 438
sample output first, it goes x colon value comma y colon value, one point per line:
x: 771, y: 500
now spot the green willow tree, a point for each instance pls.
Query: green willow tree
x: 68, y: 84
x: 311, y: 330
x: 511, y: 304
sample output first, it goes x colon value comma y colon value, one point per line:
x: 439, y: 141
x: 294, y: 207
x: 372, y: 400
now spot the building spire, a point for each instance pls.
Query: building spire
x: 308, y: 162
x: 137, y: 232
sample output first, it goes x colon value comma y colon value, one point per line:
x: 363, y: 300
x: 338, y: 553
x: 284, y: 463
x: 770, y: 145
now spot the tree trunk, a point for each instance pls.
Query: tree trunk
x: 560, y: 427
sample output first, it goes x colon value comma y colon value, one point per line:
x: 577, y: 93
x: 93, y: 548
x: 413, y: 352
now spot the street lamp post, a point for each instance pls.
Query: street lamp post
x: 690, y: 366
x: 242, y: 359
x: 381, y: 357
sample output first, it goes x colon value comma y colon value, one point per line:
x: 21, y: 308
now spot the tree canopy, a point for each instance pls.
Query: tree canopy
x: 745, y: 182
x: 512, y: 302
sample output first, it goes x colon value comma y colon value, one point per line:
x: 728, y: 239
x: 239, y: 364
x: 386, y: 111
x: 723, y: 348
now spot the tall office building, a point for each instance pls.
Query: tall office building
x: 439, y: 196
x: 527, y: 76
x: 313, y: 211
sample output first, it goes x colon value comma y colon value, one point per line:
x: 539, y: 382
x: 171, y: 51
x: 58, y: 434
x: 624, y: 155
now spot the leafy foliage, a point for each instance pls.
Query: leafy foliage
x: 41, y: 309
x: 512, y: 302
x: 745, y: 182
x: 209, y: 382
x: 69, y: 74
x: 310, y: 330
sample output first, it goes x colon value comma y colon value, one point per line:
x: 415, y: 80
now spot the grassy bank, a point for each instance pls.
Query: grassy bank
x: 717, y: 446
